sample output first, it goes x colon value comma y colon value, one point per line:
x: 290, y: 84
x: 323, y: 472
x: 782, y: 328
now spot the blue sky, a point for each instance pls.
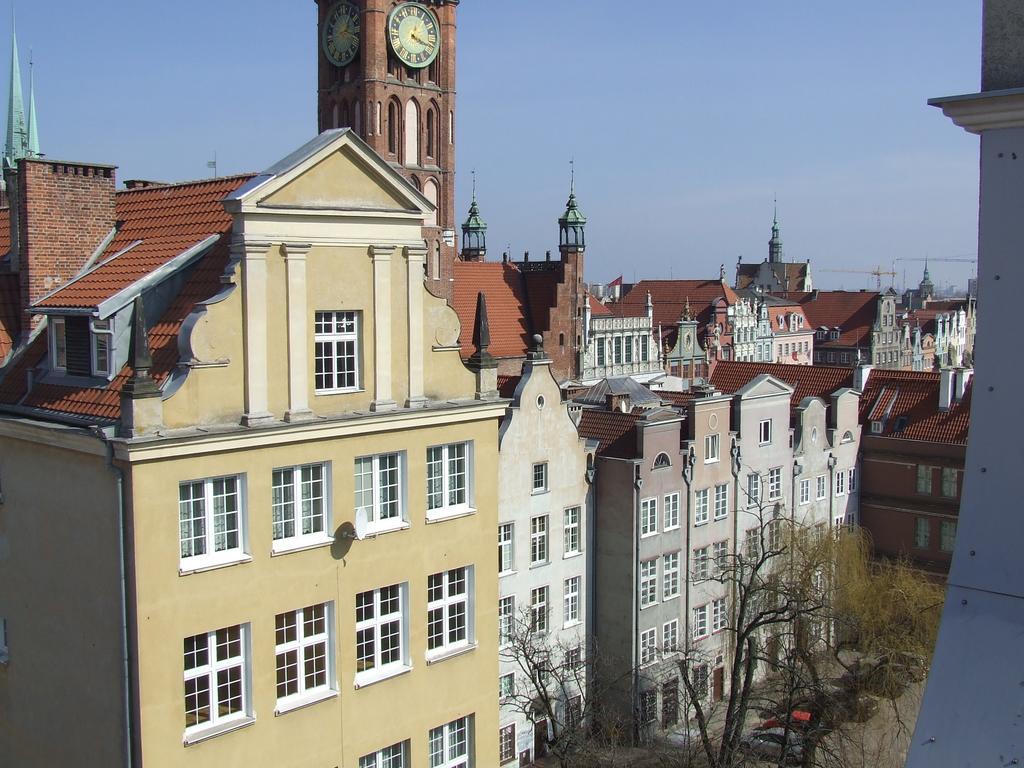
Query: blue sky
x: 685, y: 119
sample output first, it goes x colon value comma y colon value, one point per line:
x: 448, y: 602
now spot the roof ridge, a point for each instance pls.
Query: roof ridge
x: 189, y: 183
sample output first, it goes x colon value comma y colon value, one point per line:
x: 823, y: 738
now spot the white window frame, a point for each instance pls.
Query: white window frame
x: 571, y: 601
x: 720, y: 555
x: 572, y: 540
x: 701, y: 563
x: 852, y: 480
x: 649, y: 516
x: 822, y: 487
x: 805, y: 491
x: 331, y: 341
x: 539, y: 550
x: 506, y: 685
x: 719, y: 615
x: 648, y: 583
x: 671, y: 503
x: 922, y: 533
x: 700, y: 622
x: 950, y: 482
x: 701, y: 503
x: 295, y: 502
x: 774, y: 483
x: 443, y: 477
x: 58, y: 344
x: 385, y: 758
x: 211, y: 672
x: 214, y: 554
x: 506, y: 618
x: 947, y: 538
x: 712, y: 446
x: 648, y: 646
x: 539, y: 600
x: 451, y: 745
x: 764, y: 430
x: 101, y: 337
x: 721, y: 501
x: 540, y: 475
x: 377, y: 668
x: 372, y: 500
x: 670, y: 575
x: 925, y: 477
x: 670, y: 636
x: 506, y: 739
x: 309, y: 647
x: 841, y: 482
x: 506, y: 548
x: 449, y: 600
x: 753, y: 489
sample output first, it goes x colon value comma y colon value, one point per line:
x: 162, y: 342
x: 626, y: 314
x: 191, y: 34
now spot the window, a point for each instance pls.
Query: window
x: 600, y: 352
x: 648, y: 646
x: 699, y: 675
x: 648, y: 582
x: 337, y: 352
x: 101, y: 358
x: 617, y: 350
x: 648, y: 706
x: 648, y: 517
x: 506, y: 618
x: 539, y: 540
x: 571, y: 531
x: 765, y: 432
x: 506, y: 743
x: 448, y: 479
x: 822, y: 488
x: 710, y: 448
x: 924, y: 479
x: 947, y: 540
x: 922, y: 533
x: 840, y: 482
x: 719, y: 615
x: 671, y: 511
x: 505, y: 551
x: 303, y: 650
x: 574, y: 711
x: 700, y: 622
x: 949, y: 478
x: 670, y: 576
x: 805, y: 491
x: 571, y: 603
x: 539, y: 609
x: 59, y: 345
x: 720, y: 554
x: 721, y: 501
x: 380, y: 630
x: 774, y: 483
x: 211, y: 521
x: 670, y: 703
x: 395, y: 756
x: 670, y: 636
x: 540, y: 477
x: 507, y: 686
x: 644, y: 353
x: 852, y: 484
x: 628, y: 351
x: 700, y: 564
x: 752, y: 544
x: 700, y: 506
x: 449, y: 744
x: 379, y: 490
x: 449, y: 621
x: 753, y: 489
x: 216, y: 678
x: 297, y: 505
x: 661, y: 461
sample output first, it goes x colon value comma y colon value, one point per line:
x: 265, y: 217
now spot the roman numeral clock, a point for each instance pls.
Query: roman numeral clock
x: 387, y: 70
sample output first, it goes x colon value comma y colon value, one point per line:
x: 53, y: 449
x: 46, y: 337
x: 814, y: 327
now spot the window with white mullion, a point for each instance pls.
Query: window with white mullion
x: 571, y: 531
x: 302, y: 647
x: 298, y: 506
x: 379, y: 630
x: 648, y: 583
x: 539, y: 540
x: 448, y: 473
x: 378, y: 489
x: 571, y: 607
x: 210, y: 520
x: 506, y: 618
x: 337, y: 351
x: 449, y: 744
x: 448, y: 619
x: 506, y: 553
x: 215, y: 678
x: 395, y: 756
x: 648, y: 516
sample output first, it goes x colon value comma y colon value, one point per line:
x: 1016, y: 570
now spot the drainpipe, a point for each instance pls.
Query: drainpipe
x: 638, y: 483
x: 125, y: 672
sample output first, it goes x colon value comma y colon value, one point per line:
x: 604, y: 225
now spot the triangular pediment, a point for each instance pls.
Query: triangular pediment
x: 764, y: 386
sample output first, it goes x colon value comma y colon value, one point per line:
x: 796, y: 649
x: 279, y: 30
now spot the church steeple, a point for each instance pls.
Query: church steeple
x: 16, y: 146
x: 775, y: 244
x: 474, y: 232
x: 572, y: 226
x: 33, y: 124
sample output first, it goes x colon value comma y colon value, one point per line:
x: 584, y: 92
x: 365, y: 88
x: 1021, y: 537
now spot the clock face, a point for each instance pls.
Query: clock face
x: 412, y: 30
x: 341, y: 33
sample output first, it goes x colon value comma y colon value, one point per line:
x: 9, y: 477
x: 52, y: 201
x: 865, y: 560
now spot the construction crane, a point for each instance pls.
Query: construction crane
x: 927, y: 258
x: 878, y: 273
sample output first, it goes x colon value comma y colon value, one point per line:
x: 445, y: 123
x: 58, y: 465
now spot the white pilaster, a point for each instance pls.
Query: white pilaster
x: 254, y: 271
x: 381, y: 255
x: 298, y: 332
x: 416, y: 257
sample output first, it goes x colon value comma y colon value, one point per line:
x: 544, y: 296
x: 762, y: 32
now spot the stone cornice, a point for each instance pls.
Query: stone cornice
x: 986, y: 111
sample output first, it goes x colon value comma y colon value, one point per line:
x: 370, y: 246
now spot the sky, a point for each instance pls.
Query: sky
x: 685, y: 119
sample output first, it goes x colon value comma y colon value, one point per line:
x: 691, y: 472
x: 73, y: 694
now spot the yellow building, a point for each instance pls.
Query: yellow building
x: 249, y: 489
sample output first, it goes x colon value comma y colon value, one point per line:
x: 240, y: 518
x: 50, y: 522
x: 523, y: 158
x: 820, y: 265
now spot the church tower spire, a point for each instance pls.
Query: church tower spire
x: 16, y: 146
x: 474, y: 232
x: 775, y: 244
x: 32, y: 149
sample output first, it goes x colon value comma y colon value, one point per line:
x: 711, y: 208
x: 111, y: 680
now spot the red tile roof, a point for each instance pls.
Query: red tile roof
x: 10, y: 312
x: 167, y: 220
x: 907, y: 402
x: 507, y: 385
x: 502, y: 284
x: 791, y: 274
x: 597, y: 309
x: 614, y: 431
x: 807, y: 380
x: 853, y: 312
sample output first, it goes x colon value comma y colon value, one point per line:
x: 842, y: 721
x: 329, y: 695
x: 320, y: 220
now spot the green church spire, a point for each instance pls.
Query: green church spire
x: 474, y: 232
x: 16, y: 146
x: 33, y: 124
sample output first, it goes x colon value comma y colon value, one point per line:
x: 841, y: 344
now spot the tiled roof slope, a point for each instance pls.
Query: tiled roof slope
x: 791, y: 273
x: 670, y: 297
x: 502, y: 284
x: 10, y: 312
x: 597, y: 309
x: 614, y: 431
x: 913, y: 397
x: 853, y: 312
x: 807, y: 380
x: 168, y: 220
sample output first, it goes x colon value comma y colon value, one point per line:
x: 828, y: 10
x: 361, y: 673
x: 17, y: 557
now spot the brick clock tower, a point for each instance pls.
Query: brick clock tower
x: 387, y: 70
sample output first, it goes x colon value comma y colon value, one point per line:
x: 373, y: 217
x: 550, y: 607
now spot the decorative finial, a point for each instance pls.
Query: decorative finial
x: 474, y: 184
x: 537, y: 350
x: 140, y: 384
x: 481, y: 358
x: 721, y: 272
x: 572, y: 176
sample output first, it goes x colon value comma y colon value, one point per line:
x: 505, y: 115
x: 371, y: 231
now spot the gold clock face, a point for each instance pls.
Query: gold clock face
x: 341, y: 34
x: 414, y: 36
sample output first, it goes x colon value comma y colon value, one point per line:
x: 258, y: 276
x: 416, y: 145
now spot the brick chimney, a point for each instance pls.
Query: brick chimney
x: 65, y: 210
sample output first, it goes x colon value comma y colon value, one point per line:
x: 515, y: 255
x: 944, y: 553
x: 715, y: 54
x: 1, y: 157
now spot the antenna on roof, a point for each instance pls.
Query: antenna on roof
x: 212, y: 164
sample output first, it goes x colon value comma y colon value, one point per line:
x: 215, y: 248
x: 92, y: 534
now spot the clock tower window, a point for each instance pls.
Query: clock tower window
x: 412, y: 133
x: 431, y: 133
x: 394, y: 126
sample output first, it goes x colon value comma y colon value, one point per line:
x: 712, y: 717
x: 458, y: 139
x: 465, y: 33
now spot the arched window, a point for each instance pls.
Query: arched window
x: 451, y: 127
x: 431, y: 133
x: 432, y: 193
x: 394, y: 126
x: 412, y: 133
x: 357, y: 117
x: 434, y: 70
x: 379, y: 130
x: 416, y: 183
x: 561, y: 339
x: 662, y: 460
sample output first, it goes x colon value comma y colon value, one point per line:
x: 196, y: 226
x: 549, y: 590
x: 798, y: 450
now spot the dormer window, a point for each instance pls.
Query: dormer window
x: 101, y: 347
x: 835, y: 334
x: 876, y: 427
x: 80, y: 346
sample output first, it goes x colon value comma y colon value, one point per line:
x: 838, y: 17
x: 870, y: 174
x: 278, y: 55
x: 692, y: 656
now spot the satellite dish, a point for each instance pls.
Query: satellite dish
x: 361, y: 523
